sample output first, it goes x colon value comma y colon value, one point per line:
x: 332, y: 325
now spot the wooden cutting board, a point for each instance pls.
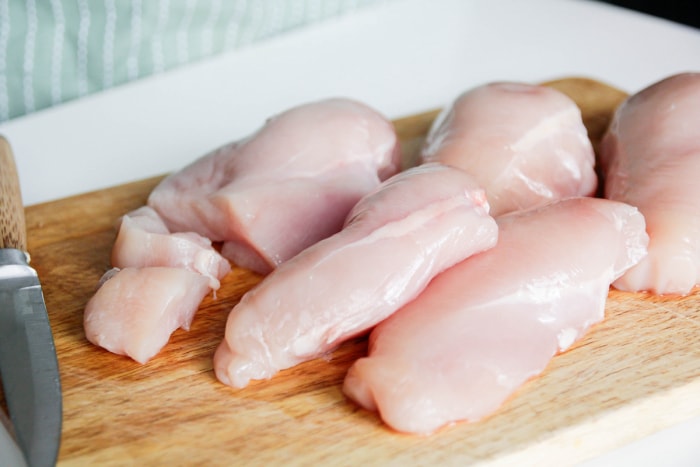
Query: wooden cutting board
x: 633, y: 374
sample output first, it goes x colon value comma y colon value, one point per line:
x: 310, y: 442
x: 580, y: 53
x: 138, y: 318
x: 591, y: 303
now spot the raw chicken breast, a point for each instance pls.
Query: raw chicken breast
x: 145, y: 241
x: 156, y: 285
x: 285, y: 187
x: 135, y: 310
x: 525, y: 144
x: 396, y: 239
x: 485, y: 326
x: 651, y: 159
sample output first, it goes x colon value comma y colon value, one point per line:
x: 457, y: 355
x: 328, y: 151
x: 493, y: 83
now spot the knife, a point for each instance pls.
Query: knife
x: 28, y: 363
x: 10, y: 455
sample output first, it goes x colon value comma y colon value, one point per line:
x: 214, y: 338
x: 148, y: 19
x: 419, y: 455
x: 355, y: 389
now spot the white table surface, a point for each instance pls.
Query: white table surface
x: 402, y: 57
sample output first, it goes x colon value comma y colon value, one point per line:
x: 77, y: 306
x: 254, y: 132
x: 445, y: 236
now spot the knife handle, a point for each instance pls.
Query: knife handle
x: 13, y: 227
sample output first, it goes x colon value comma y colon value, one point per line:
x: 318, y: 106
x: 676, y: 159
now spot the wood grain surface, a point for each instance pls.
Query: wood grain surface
x: 636, y: 372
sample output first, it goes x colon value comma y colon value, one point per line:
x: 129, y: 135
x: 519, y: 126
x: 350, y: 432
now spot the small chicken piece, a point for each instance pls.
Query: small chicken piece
x: 135, y: 310
x: 651, y: 159
x: 525, y: 144
x: 157, y: 283
x: 396, y: 239
x: 287, y: 186
x: 485, y: 326
x: 145, y: 241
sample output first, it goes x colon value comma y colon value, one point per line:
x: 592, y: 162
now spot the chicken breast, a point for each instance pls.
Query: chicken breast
x: 485, y: 326
x: 144, y: 240
x: 396, y: 239
x: 135, y: 310
x: 525, y: 144
x: 651, y: 159
x: 156, y: 285
x: 287, y: 186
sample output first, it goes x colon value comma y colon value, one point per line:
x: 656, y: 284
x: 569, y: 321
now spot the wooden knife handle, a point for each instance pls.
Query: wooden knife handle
x: 13, y: 227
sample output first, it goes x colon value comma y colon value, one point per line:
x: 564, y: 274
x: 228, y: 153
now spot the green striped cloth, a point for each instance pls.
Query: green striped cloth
x: 53, y: 51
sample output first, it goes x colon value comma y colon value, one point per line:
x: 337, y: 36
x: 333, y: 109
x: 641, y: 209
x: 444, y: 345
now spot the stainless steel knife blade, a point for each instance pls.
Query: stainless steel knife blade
x: 10, y: 455
x: 28, y: 363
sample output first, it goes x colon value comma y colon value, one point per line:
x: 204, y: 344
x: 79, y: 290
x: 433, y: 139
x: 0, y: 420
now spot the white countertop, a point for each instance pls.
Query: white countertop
x: 401, y: 57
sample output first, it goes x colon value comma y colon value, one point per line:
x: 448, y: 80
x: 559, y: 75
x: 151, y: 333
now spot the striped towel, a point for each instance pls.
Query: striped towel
x: 54, y: 51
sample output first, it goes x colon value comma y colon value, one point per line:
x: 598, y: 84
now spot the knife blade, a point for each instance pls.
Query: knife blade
x: 10, y: 455
x: 28, y: 363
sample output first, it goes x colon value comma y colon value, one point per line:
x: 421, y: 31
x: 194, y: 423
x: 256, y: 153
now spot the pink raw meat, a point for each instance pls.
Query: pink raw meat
x: 485, y: 326
x: 156, y: 285
x: 145, y: 241
x: 651, y: 159
x: 135, y: 310
x: 396, y: 239
x: 525, y: 144
x: 287, y: 186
